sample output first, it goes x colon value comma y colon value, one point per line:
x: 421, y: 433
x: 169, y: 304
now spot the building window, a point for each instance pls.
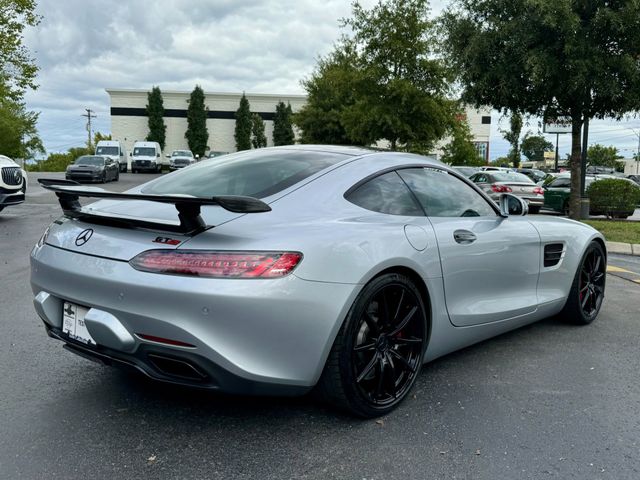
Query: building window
x: 483, y: 150
x: 486, y: 120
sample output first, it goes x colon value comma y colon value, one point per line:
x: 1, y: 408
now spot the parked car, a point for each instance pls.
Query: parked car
x: 335, y: 268
x: 495, y: 169
x: 180, y: 159
x: 93, y: 168
x: 495, y: 183
x: 13, y: 183
x: 635, y: 178
x: 114, y: 150
x: 466, y: 171
x: 146, y: 156
x: 213, y: 154
x: 536, y: 175
x: 556, y: 194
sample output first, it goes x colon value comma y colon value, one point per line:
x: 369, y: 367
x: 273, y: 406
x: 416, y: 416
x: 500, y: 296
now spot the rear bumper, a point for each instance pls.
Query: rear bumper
x: 248, y: 336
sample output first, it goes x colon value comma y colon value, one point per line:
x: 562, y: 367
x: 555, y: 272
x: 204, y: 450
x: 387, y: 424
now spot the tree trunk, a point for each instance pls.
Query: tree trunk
x: 575, y: 166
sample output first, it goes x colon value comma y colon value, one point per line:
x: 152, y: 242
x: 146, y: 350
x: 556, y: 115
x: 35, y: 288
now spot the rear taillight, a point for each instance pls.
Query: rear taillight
x: 217, y: 264
x: 500, y: 188
x: 538, y: 191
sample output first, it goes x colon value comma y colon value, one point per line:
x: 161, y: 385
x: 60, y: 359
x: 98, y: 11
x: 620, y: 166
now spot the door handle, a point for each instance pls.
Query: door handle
x: 464, y: 237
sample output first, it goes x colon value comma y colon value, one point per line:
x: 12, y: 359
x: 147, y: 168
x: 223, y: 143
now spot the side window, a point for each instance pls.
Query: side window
x: 561, y: 182
x: 386, y: 193
x: 443, y: 195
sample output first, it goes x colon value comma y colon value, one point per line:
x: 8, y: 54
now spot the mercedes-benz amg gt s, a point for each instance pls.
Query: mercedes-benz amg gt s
x: 290, y: 269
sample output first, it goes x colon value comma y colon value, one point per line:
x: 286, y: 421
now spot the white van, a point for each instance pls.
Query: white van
x: 146, y: 156
x: 114, y: 150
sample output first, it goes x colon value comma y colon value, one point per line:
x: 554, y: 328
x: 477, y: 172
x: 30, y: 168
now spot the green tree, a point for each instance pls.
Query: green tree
x: 258, y: 137
x: 534, y: 146
x: 548, y: 58
x: 18, y: 130
x: 329, y: 93
x: 601, y: 156
x: 282, y: 125
x: 197, y: 134
x: 244, y: 124
x: 155, y: 113
x: 461, y: 150
x: 513, y: 137
x: 396, y: 89
x: 17, y: 68
x: 98, y: 136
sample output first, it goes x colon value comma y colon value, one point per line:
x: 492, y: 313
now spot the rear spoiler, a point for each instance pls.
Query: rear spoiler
x: 188, y: 208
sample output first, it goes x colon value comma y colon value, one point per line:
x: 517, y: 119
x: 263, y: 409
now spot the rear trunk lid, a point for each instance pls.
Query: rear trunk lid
x: 520, y: 188
x: 125, y: 243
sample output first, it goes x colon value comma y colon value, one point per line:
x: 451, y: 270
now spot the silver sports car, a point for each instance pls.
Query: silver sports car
x: 282, y: 270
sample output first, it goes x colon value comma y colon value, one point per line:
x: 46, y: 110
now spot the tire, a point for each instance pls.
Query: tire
x: 104, y: 177
x: 133, y: 170
x: 587, y: 290
x: 378, y: 353
x: 117, y: 177
x: 565, y: 208
x: 534, y: 210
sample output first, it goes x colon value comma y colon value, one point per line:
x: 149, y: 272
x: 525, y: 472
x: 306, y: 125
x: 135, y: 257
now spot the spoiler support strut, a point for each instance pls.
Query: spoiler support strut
x: 189, y: 208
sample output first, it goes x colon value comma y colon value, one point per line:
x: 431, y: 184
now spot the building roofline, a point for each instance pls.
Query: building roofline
x: 222, y: 94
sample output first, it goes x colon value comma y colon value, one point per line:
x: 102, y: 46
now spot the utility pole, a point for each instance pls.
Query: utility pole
x: 89, y: 115
x: 557, y: 140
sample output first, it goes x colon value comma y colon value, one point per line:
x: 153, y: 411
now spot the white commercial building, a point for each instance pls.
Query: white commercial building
x: 129, y: 121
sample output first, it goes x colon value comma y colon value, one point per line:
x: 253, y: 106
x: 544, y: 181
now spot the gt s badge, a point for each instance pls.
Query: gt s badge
x: 166, y: 241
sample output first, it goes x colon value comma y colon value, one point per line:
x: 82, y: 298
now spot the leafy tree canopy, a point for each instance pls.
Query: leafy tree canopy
x: 18, y: 130
x: 17, y: 68
x: 155, y: 113
x: 244, y: 125
x: 197, y: 134
x: 382, y: 82
x: 534, y: 146
x: 513, y: 137
x: 601, y: 156
x: 553, y: 57
x: 258, y: 137
x: 460, y: 150
x: 282, y: 126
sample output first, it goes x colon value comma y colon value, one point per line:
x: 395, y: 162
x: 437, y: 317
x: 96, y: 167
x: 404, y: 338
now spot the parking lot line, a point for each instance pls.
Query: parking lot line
x: 612, y: 268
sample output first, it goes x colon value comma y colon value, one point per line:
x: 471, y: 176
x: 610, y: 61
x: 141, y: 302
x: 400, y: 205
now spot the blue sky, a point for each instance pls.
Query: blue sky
x: 258, y: 46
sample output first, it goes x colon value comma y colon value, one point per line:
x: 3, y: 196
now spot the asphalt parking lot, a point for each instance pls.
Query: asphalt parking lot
x: 546, y: 401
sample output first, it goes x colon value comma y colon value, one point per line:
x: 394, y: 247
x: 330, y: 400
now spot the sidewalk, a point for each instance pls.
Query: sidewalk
x: 623, y: 248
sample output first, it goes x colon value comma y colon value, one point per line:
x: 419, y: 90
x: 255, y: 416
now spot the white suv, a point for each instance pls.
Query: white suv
x: 13, y: 183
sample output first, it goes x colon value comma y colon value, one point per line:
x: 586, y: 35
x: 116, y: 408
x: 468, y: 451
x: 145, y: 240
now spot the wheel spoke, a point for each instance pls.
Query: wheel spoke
x: 597, y: 266
x: 585, y: 287
x: 380, y: 383
x: 365, y: 347
x: 391, y: 376
x: 395, y: 315
x: 403, y: 361
x: 585, y: 299
x: 368, y: 368
x: 404, y: 321
x: 405, y: 341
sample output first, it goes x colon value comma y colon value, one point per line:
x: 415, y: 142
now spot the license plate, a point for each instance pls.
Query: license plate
x: 73, y: 323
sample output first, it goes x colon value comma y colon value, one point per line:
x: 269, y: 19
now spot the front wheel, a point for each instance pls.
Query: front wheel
x: 378, y: 353
x: 587, y: 291
x: 534, y: 210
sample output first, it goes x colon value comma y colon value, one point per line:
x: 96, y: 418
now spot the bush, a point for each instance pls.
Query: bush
x: 58, y: 162
x: 613, y: 197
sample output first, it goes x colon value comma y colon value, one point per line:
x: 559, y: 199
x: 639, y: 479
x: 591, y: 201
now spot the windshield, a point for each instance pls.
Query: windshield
x: 255, y: 174
x: 510, y: 177
x: 182, y: 153
x: 144, y: 152
x: 107, y: 151
x: 90, y: 161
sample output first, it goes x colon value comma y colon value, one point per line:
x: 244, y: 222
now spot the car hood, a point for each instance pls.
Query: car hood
x: 144, y: 157
x: 84, y: 168
x: 182, y: 158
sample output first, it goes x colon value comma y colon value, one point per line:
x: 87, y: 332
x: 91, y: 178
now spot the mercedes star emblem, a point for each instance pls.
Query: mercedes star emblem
x: 84, y: 237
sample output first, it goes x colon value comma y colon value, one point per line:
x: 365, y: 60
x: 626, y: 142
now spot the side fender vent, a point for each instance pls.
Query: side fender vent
x: 553, y: 254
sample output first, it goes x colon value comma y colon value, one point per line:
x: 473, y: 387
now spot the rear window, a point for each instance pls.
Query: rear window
x: 510, y: 177
x: 255, y: 174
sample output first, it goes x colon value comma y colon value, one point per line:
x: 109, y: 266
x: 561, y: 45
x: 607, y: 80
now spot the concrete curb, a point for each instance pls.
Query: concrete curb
x: 623, y: 248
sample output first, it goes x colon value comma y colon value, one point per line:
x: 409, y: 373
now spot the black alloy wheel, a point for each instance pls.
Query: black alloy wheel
x: 592, y: 277
x: 379, y: 351
x: 587, y: 291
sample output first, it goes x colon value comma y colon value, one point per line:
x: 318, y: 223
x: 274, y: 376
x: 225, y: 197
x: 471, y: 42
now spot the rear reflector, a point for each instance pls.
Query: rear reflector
x: 209, y: 264
x: 496, y: 187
